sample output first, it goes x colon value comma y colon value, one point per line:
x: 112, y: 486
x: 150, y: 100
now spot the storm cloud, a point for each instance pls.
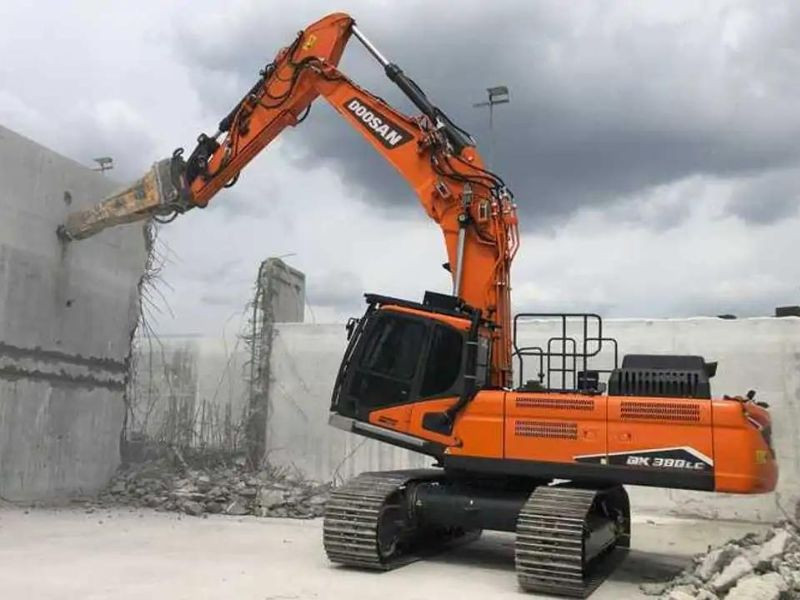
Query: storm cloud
x: 608, y: 101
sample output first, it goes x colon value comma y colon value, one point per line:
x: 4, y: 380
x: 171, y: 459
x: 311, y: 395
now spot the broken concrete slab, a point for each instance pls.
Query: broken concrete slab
x: 773, y: 548
x: 751, y: 566
x: 754, y: 588
x: 776, y: 580
x: 714, y: 561
x: 67, y: 313
x: 678, y: 594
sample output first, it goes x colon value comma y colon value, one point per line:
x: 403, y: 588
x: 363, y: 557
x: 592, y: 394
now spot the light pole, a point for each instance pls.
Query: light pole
x: 104, y: 163
x: 497, y: 95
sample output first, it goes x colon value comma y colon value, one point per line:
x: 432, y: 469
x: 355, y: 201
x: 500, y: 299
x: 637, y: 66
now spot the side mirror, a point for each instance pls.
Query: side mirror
x: 711, y: 369
x: 352, y: 323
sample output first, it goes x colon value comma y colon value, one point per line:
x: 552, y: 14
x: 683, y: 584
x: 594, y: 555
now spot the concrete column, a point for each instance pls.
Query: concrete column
x: 279, y: 298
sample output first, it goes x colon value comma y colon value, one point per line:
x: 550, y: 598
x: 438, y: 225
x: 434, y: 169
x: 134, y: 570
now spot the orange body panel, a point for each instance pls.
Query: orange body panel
x: 554, y: 427
x: 744, y: 463
x: 636, y: 423
x: 558, y: 428
x: 478, y: 430
x: 461, y: 324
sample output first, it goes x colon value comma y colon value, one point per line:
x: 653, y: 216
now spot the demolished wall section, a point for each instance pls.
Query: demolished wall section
x: 189, y: 391
x: 208, y: 393
x: 67, y: 312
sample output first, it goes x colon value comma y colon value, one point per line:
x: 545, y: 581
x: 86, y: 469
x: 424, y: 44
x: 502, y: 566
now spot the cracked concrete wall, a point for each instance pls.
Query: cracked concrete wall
x: 213, y: 378
x: 67, y: 313
x: 214, y: 374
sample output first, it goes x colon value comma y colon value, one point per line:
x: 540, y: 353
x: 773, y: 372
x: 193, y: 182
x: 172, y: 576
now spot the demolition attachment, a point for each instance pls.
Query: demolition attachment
x: 160, y: 194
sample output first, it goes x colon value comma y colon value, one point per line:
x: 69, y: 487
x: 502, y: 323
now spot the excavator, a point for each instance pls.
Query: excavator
x: 546, y: 458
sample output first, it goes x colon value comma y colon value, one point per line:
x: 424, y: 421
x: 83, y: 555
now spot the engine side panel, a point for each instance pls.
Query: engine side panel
x: 679, y: 443
x: 554, y: 427
x: 660, y: 434
x: 665, y: 442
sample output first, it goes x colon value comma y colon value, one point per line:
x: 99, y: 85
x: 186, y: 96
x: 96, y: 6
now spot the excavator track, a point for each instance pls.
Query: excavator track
x: 569, y: 539
x: 368, y: 522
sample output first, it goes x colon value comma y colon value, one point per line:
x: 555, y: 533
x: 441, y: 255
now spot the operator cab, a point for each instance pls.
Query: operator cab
x: 401, y: 352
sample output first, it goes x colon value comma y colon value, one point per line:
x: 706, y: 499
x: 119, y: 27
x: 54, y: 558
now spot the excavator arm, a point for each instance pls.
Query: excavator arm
x: 471, y: 205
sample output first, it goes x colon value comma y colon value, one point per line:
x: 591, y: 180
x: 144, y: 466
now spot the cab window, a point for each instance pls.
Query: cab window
x: 444, y: 361
x: 386, y: 371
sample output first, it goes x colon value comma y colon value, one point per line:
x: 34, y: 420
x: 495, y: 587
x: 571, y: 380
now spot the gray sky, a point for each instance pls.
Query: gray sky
x: 654, y: 148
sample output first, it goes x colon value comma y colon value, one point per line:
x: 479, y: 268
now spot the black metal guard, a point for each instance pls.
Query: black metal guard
x: 566, y: 360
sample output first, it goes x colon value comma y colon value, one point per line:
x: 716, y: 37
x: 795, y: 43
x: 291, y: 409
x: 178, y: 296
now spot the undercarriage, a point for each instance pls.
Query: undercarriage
x: 567, y: 537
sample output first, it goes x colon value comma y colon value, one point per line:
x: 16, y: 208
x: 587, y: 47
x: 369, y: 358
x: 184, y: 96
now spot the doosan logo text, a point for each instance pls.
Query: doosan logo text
x: 389, y: 134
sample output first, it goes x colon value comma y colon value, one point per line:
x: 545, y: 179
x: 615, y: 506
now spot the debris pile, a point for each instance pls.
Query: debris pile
x: 227, y: 488
x: 758, y: 566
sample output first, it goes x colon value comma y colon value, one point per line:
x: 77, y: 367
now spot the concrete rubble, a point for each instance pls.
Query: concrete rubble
x: 225, y: 488
x: 758, y: 566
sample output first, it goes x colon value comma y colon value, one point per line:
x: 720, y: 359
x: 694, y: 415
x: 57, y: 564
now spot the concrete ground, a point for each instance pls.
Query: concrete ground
x: 132, y: 554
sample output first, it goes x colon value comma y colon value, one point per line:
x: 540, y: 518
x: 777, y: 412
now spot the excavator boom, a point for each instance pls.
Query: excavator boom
x: 472, y: 206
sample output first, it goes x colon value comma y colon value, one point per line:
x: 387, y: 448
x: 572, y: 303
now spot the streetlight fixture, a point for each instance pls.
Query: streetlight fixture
x: 497, y: 95
x: 104, y: 163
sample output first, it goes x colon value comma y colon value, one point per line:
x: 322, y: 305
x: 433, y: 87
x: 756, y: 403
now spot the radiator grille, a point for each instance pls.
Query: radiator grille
x: 661, y: 411
x: 539, y: 429
x: 556, y: 403
x: 658, y: 382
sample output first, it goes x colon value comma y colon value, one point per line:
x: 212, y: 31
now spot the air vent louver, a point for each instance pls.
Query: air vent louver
x: 539, y: 429
x: 566, y: 403
x: 660, y: 411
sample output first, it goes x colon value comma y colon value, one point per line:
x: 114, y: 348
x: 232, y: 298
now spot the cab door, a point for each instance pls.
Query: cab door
x: 385, y: 370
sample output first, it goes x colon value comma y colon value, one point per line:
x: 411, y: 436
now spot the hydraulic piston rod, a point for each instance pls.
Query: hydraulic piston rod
x: 458, y: 139
x: 463, y: 222
x: 369, y: 46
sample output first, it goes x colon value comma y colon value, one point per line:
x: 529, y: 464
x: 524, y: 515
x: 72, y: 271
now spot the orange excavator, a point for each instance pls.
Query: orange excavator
x: 545, y: 458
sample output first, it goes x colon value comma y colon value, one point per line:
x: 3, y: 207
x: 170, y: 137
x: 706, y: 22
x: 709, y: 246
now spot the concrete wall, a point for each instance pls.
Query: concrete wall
x: 761, y: 354
x: 67, y: 314
x: 305, y: 360
x: 184, y: 383
x: 196, y: 391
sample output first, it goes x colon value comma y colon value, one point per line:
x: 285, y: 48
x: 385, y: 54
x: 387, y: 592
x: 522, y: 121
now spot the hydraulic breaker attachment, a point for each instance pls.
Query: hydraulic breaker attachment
x: 161, y: 194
